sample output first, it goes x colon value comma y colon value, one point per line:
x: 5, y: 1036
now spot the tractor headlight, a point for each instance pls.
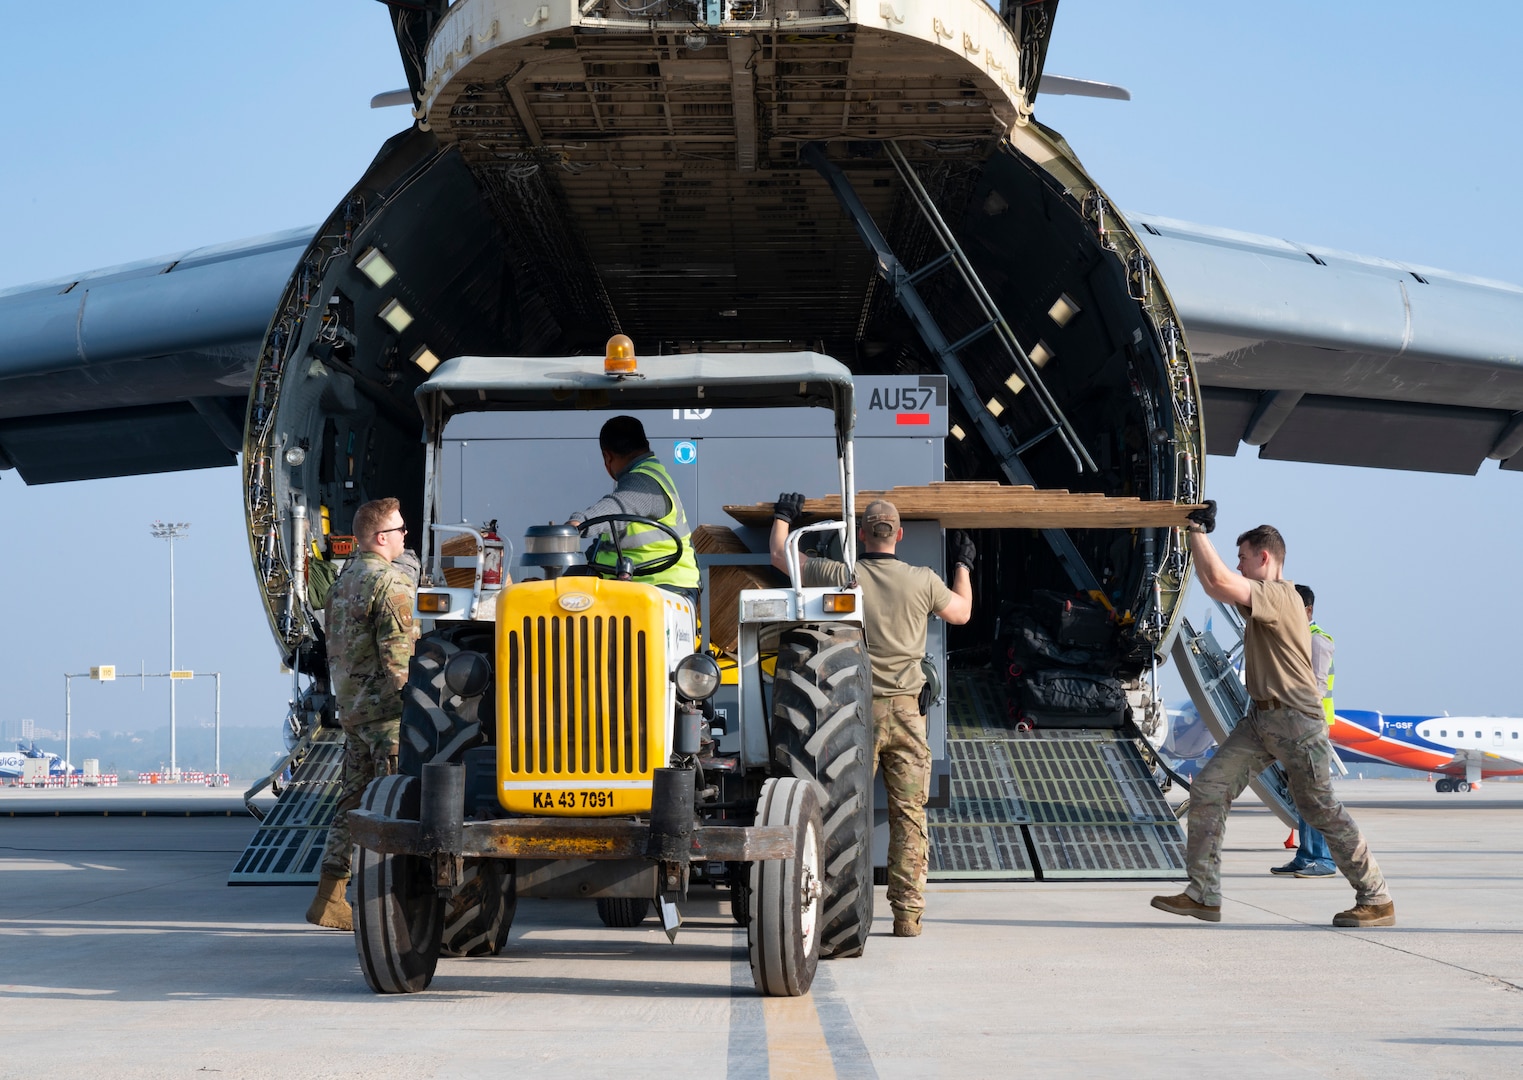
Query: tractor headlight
x: 467, y: 673
x: 697, y: 677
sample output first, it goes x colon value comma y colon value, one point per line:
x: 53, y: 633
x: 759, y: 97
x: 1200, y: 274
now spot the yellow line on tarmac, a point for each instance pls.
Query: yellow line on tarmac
x: 796, y: 1047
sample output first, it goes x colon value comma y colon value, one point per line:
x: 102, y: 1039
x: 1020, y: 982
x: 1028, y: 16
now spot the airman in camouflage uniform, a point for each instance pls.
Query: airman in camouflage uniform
x: 370, y: 636
x: 1285, y: 723
x: 897, y: 599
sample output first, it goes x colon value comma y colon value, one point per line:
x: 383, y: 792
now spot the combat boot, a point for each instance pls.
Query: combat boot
x: 906, y: 924
x: 329, y: 908
x: 1367, y: 915
x: 1185, y: 904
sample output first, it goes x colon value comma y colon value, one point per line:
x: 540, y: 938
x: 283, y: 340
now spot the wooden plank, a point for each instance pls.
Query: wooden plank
x: 726, y: 582
x: 987, y: 504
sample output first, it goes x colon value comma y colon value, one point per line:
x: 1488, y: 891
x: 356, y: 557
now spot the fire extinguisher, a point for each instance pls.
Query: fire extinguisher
x: 491, y: 567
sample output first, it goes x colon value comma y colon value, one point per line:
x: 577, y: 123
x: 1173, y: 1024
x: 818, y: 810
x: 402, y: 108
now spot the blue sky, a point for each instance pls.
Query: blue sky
x: 1385, y: 129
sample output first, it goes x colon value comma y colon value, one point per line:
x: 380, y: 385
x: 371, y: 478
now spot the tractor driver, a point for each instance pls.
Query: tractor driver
x: 643, y: 487
x: 897, y: 599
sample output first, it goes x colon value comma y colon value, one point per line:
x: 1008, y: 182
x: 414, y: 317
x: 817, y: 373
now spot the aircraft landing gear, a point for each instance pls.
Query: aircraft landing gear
x: 1444, y: 785
x: 1462, y: 785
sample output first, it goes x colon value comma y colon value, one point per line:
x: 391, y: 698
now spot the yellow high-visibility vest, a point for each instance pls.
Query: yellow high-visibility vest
x: 1327, y: 698
x: 651, y: 543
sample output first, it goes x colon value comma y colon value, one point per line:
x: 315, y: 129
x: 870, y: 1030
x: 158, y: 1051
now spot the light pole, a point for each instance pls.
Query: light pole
x: 171, y: 531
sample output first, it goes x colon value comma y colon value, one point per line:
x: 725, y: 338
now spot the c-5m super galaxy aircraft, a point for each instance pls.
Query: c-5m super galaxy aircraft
x: 866, y: 178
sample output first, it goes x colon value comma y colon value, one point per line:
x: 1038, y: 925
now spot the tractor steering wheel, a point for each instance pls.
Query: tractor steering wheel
x: 644, y: 569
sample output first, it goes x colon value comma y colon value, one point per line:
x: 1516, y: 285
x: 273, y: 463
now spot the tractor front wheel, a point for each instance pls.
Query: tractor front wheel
x: 783, y: 932
x: 398, y: 916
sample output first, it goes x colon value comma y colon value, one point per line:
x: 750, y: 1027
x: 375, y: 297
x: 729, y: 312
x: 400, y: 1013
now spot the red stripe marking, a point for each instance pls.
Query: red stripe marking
x: 912, y: 418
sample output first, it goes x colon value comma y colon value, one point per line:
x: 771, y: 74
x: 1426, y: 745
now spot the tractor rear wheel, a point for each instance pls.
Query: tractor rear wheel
x: 437, y: 724
x: 623, y: 910
x: 783, y: 932
x: 822, y: 731
x: 479, y: 913
x: 740, y: 893
x: 398, y: 917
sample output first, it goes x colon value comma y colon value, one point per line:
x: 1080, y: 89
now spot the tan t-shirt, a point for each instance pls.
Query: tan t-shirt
x: 1277, y: 648
x: 897, y: 598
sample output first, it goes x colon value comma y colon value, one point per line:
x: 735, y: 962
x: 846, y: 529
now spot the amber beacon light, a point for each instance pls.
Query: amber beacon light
x: 619, y: 358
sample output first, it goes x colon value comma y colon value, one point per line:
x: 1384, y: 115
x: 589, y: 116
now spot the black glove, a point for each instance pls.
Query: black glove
x: 963, y: 551
x: 1205, y: 517
x: 789, y: 505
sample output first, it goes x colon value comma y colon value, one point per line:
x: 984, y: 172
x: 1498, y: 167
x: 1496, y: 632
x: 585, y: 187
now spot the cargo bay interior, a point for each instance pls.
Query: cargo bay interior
x: 660, y: 210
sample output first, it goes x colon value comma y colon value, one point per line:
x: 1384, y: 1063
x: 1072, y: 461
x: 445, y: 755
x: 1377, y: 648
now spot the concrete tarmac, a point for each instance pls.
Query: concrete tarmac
x: 124, y: 954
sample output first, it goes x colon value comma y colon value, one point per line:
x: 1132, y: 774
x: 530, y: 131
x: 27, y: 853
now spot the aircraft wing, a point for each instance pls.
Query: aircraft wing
x: 1318, y: 355
x: 1307, y: 353
x: 141, y: 368
x: 1487, y: 761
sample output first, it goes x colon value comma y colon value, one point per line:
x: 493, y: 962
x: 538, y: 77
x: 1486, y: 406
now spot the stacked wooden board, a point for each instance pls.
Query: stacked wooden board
x: 726, y: 582
x: 992, y: 505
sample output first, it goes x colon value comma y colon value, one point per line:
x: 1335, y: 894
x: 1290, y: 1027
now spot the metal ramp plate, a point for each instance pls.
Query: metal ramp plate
x: 1078, y: 852
x: 979, y: 852
x: 1085, y: 778
x: 977, y: 708
x: 287, y: 848
x: 977, y: 834
x: 1047, y: 804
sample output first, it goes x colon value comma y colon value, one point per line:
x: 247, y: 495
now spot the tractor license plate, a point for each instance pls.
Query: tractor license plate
x: 572, y: 800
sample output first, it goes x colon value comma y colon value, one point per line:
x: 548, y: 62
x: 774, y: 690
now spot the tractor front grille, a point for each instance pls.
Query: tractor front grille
x: 578, y: 697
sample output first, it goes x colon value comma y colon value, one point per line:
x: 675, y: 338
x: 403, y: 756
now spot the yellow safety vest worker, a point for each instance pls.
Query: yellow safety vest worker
x: 1327, y: 698
x: 652, y: 543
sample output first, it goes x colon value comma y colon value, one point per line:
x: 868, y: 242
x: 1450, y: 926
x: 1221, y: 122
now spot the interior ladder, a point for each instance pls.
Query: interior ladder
x: 998, y: 437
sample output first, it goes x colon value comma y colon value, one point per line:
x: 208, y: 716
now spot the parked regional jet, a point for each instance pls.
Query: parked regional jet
x: 1465, y: 749
x: 13, y: 762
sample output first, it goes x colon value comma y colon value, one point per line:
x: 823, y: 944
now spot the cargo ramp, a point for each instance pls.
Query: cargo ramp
x: 1045, y: 805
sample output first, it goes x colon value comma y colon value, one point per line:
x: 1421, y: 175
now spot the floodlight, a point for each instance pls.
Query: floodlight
x: 1063, y: 309
x: 376, y: 267
x: 396, y: 316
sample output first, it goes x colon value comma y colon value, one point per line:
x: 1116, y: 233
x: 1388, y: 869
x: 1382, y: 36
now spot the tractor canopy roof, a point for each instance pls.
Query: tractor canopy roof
x: 682, y: 381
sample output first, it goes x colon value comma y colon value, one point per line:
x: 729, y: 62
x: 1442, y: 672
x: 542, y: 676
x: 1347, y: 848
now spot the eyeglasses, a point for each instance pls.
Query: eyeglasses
x: 382, y: 532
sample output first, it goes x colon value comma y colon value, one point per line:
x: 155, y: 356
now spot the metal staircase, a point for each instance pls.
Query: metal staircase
x: 1000, y: 439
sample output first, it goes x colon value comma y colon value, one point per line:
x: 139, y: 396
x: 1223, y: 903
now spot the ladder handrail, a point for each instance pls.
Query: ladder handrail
x: 1027, y: 369
x: 998, y: 437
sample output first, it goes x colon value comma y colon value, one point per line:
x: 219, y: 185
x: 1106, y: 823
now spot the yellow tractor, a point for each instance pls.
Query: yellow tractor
x: 558, y: 738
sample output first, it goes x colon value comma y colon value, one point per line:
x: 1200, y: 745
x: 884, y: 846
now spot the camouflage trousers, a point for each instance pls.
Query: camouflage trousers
x: 370, y: 750
x: 1300, y: 744
x: 901, y: 751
